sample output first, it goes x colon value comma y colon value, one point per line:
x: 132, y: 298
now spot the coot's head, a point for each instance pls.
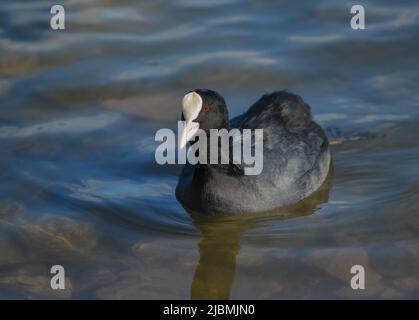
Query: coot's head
x: 202, y: 109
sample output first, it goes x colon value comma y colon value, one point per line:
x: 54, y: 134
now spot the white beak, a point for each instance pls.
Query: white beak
x: 191, y: 107
x: 187, y: 132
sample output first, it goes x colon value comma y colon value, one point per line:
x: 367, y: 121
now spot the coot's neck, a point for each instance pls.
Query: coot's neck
x: 203, y: 171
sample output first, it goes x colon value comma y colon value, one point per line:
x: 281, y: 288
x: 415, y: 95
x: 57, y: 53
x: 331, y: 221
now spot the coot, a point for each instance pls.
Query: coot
x: 296, y: 157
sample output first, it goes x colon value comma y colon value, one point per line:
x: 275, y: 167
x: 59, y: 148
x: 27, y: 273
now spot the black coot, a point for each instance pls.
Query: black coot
x: 296, y: 157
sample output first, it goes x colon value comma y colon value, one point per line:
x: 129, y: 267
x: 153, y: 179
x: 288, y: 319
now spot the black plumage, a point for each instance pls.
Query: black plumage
x: 296, y: 158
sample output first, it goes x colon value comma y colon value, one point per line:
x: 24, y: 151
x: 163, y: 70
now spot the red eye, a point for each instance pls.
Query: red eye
x: 206, y: 109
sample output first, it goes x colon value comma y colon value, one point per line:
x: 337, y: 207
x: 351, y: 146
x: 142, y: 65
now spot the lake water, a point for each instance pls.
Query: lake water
x: 80, y: 187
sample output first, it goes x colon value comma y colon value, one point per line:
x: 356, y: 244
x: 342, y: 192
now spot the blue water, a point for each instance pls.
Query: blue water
x: 80, y: 187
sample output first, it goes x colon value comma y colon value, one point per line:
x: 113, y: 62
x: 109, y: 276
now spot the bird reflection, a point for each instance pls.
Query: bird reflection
x: 220, y: 243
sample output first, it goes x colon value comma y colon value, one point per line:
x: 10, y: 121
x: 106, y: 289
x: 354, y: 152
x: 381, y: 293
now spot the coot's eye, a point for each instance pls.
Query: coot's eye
x: 206, y: 109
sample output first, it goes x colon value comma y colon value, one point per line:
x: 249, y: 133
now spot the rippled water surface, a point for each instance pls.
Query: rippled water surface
x: 80, y: 187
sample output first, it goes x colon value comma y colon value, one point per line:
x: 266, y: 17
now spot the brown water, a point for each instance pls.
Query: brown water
x: 79, y: 185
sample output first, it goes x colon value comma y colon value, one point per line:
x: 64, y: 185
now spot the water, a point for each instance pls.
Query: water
x: 79, y: 185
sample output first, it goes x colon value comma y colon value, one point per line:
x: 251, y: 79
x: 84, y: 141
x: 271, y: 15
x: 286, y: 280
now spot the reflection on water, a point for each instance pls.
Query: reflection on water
x: 79, y: 185
x: 219, y: 245
x: 218, y: 249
